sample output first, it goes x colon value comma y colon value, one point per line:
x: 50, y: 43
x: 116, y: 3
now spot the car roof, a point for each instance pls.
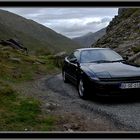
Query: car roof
x: 83, y: 49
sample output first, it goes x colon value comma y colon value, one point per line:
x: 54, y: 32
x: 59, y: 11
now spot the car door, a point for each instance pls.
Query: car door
x: 73, y: 67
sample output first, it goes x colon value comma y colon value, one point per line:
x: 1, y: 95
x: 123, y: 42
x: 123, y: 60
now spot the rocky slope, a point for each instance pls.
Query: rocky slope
x: 33, y: 35
x: 123, y: 34
x: 88, y: 39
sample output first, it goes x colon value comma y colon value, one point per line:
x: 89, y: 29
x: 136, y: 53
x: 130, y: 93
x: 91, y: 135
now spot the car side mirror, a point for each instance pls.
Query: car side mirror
x: 73, y: 60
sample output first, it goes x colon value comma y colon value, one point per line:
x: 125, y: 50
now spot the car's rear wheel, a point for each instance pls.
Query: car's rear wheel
x: 82, y: 90
x: 65, y: 79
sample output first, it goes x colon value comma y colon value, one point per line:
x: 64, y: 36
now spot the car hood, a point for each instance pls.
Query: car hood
x: 116, y: 69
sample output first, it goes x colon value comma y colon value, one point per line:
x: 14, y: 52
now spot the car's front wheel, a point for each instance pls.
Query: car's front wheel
x: 82, y: 90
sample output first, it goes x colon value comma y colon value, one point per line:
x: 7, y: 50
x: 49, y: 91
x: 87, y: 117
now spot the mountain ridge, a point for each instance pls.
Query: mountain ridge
x: 33, y: 34
x: 123, y: 34
x: 88, y: 39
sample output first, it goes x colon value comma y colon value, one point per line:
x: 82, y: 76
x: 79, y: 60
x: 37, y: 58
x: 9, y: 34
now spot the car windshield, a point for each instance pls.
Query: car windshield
x: 99, y: 55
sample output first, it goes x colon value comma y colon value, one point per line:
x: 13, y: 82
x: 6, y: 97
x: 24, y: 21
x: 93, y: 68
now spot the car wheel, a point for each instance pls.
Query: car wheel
x: 65, y: 79
x: 82, y: 90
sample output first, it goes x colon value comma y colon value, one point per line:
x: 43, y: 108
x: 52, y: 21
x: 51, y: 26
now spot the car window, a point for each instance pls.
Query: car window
x: 74, y: 55
x: 87, y: 56
x: 71, y: 56
x: 77, y: 55
x: 97, y: 55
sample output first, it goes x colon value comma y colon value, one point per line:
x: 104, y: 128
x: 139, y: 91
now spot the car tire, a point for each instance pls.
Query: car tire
x: 65, y: 79
x: 82, y: 90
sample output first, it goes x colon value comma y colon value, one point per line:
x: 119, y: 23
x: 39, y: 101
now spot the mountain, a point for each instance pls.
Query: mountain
x: 33, y: 35
x: 123, y: 34
x: 88, y: 39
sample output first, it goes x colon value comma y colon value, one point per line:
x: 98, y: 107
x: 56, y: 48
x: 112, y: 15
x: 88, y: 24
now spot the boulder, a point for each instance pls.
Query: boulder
x: 17, y: 60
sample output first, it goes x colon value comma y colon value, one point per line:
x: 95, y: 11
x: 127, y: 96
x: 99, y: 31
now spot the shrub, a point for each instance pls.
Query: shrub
x: 136, y: 49
x: 6, y: 89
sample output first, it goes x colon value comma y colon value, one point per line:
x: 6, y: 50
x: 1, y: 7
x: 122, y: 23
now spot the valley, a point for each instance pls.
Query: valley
x: 33, y: 96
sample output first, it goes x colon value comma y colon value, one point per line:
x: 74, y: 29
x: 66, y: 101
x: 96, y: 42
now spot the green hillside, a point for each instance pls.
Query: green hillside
x: 33, y: 35
x: 19, y: 112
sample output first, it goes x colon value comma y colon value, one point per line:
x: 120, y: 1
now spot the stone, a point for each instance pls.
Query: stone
x: 18, y: 60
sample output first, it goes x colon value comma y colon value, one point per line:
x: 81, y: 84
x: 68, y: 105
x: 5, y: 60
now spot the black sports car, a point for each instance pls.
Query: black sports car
x: 102, y: 72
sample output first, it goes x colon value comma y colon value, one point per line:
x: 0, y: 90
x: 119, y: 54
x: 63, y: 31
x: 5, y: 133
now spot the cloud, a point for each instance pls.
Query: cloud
x: 71, y: 22
x: 106, y: 19
x: 101, y: 20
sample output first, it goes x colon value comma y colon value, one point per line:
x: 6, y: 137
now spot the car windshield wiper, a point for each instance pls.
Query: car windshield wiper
x: 100, y: 61
x: 118, y: 60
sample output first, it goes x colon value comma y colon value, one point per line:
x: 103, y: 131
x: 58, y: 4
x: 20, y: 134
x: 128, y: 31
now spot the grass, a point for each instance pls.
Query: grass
x: 19, y: 113
x: 15, y: 66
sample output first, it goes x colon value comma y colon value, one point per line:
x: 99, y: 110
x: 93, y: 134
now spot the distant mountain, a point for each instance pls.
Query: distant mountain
x: 33, y: 35
x: 88, y: 39
x: 123, y: 34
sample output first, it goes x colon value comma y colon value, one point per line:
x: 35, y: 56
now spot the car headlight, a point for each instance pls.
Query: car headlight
x: 103, y: 74
x: 94, y: 78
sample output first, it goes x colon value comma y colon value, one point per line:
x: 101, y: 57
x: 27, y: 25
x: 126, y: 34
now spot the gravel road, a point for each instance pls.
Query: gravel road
x: 125, y: 115
x: 62, y: 99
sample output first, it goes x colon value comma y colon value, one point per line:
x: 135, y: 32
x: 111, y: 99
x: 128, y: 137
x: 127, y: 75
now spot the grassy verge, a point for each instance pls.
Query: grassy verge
x: 16, y: 66
x: 17, y: 112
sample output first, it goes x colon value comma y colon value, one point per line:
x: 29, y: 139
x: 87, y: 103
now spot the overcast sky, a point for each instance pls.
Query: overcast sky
x: 71, y: 22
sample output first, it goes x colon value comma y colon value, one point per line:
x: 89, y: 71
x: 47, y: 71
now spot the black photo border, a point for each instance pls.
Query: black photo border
x: 101, y: 4
x: 68, y: 3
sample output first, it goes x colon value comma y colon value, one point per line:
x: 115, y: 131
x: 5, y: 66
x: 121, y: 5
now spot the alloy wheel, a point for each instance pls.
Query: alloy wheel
x: 81, y: 88
x: 64, y: 76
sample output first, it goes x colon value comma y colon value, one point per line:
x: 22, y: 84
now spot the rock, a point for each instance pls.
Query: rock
x: 6, y: 48
x: 121, y: 11
x: 60, y: 54
x: 48, y: 110
x: 18, y: 60
x: 123, y: 33
x: 67, y: 126
x: 135, y: 57
x: 36, y: 63
x: 15, y: 44
x: 51, y: 106
x: 70, y: 130
x: 71, y: 126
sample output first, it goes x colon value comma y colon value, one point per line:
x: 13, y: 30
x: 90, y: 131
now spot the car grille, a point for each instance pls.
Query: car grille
x: 126, y: 79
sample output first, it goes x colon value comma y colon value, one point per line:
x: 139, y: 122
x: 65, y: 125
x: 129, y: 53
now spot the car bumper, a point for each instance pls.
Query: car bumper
x: 113, y: 89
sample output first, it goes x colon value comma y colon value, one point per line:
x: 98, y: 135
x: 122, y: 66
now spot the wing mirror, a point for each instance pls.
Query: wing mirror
x: 73, y: 60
